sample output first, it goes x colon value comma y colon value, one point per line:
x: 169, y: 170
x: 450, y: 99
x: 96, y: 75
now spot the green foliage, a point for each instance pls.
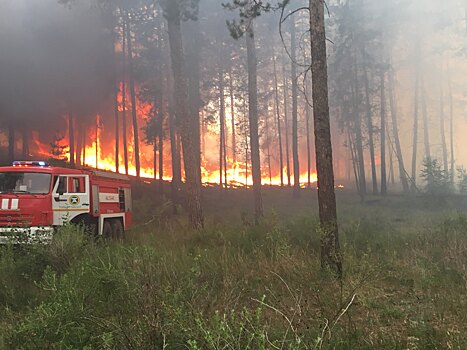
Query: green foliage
x: 238, y: 286
x: 438, y: 181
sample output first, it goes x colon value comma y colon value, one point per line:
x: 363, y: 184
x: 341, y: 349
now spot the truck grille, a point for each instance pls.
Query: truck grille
x: 15, y: 219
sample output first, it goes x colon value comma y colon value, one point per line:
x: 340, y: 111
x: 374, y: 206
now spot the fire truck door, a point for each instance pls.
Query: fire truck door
x: 70, y: 197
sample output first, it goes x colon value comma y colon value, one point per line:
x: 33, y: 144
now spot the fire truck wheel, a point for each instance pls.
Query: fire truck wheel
x: 117, y: 228
x: 107, y: 230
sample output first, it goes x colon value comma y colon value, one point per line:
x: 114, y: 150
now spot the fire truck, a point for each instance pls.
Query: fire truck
x: 36, y: 198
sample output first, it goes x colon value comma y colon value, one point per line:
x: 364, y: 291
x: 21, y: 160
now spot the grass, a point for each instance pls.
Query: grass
x: 239, y: 286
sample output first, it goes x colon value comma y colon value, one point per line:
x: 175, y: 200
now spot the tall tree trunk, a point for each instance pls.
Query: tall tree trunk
x: 188, y: 125
x: 253, y: 121
x: 426, y: 125
x: 83, y: 141
x: 11, y: 142
x: 330, y: 251
x: 308, y: 132
x: 286, y: 122
x: 124, y: 123
x: 71, y: 138
x: 371, y: 142
x: 268, y: 142
x: 174, y: 149
x: 117, y: 130
x: 133, y: 99
x: 232, y: 116
x: 443, y: 123
x: 160, y: 137
x: 296, y: 161
x: 194, y: 46
x: 26, y: 135
x: 451, y: 122
x: 221, y: 125
x: 383, y: 136
x: 415, y: 130
x: 279, y: 123
x: 358, y: 135
x: 395, y: 132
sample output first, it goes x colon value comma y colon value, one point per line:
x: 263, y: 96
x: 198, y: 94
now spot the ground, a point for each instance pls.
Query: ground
x: 239, y: 286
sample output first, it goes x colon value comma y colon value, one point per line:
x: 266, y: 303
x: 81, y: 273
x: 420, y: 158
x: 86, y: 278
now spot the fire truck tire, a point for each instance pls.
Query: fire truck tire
x: 107, y: 231
x: 117, y: 228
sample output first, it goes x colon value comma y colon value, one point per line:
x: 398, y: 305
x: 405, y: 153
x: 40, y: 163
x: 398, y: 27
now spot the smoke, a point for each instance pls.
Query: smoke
x: 54, y: 60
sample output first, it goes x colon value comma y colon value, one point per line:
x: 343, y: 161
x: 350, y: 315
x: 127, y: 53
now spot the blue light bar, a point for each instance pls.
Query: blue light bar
x: 30, y: 163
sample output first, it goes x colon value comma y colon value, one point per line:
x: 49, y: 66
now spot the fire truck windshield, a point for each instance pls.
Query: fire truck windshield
x: 19, y: 182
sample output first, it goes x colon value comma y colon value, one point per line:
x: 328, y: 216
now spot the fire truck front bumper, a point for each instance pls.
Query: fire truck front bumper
x: 23, y: 235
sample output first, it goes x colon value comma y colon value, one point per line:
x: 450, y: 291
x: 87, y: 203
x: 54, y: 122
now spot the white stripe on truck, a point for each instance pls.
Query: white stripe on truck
x: 14, y: 204
x: 5, y: 202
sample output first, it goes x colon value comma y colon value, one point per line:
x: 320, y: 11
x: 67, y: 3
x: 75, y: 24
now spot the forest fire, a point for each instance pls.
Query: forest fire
x: 238, y: 173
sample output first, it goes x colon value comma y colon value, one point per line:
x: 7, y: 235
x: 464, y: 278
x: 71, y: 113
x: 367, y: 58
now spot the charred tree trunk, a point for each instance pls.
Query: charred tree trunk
x: 71, y: 138
x: 383, y: 136
x: 160, y: 137
x: 253, y: 121
x: 395, y: 132
x: 296, y: 161
x: 133, y: 99
x: 286, y: 123
x: 330, y: 251
x: 188, y: 125
x: 371, y: 142
x: 279, y: 123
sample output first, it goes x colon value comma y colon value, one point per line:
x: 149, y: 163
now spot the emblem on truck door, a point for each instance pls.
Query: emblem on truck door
x: 73, y: 200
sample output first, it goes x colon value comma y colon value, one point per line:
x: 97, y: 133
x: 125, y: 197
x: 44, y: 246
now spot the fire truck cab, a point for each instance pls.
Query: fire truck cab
x: 36, y: 198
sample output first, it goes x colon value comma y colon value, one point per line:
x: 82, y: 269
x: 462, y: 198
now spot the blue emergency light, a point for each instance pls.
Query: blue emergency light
x: 30, y: 163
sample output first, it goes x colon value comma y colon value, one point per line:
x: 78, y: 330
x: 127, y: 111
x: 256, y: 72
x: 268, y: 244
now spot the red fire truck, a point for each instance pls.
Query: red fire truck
x: 35, y: 198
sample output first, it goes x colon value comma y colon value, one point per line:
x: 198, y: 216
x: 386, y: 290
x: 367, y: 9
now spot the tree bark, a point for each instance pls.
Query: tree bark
x: 11, y: 142
x: 117, y: 130
x: 286, y: 123
x: 26, y: 135
x: 451, y: 123
x: 296, y: 161
x: 188, y: 125
x: 194, y: 47
x: 221, y: 126
x: 232, y: 115
x: 279, y: 122
x: 383, y: 136
x: 124, y: 123
x: 426, y: 126
x: 442, y: 128
x: 71, y: 138
x: 415, y: 131
x: 133, y: 99
x: 175, y: 150
x: 330, y: 251
x: 395, y: 132
x: 308, y: 136
x: 253, y: 121
x: 371, y: 142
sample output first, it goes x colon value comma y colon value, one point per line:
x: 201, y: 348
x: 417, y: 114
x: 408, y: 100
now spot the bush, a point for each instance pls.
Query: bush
x: 438, y: 181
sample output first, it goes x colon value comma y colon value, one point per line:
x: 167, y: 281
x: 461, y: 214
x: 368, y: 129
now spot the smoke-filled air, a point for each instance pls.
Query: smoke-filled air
x: 287, y: 174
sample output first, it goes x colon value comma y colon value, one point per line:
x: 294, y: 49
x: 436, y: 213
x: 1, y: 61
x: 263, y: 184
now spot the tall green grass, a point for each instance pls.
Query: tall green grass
x: 238, y: 286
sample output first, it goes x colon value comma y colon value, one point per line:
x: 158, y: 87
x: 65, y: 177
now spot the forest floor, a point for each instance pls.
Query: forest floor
x: 238, y: 286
